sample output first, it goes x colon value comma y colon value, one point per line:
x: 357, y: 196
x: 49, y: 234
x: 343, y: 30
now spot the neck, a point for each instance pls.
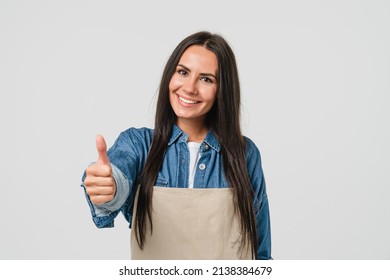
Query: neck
x: 195, y: 129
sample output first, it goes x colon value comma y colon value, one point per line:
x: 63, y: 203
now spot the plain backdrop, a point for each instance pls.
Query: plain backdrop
x: 315, y: 79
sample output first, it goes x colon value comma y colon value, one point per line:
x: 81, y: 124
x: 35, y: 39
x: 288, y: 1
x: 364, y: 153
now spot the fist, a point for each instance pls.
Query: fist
x: 99, y: 182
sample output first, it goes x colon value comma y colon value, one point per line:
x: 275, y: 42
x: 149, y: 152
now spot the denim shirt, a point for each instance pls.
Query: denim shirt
x: 128, y: 155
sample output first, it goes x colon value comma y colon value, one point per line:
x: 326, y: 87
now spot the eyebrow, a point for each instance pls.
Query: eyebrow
x: 203, y: 74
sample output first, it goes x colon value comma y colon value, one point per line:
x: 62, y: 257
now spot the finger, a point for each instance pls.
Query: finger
x: 100, y: 199
x: 99, y: 170
x: 102, y: 150
x: 93, y: 181
x: 96, y: 191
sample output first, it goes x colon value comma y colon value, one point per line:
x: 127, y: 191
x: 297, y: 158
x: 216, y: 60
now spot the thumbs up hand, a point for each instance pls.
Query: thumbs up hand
x: 102, y: 150
x: 99, y: 182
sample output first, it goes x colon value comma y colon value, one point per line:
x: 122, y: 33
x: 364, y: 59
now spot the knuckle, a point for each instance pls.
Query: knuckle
x: 97, y: 200
x: 111, y: 182
x: 90, y: 192
x: 90, y: 169
x: 93, y: 199
x: 88, y: 181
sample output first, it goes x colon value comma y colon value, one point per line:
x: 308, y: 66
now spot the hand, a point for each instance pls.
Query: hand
x: 99, y: 182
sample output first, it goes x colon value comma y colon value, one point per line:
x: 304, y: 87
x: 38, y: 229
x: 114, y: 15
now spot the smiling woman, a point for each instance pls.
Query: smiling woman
x: 193, y: 89
x: 192, y: 187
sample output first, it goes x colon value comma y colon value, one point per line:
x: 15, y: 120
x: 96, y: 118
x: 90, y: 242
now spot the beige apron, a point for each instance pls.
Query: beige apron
x: 191, y: 224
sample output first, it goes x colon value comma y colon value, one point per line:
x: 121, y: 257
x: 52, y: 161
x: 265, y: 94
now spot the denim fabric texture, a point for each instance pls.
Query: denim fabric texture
x: 128, y: 156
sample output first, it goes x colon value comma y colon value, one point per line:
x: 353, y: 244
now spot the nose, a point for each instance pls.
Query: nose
x: 189, y: 86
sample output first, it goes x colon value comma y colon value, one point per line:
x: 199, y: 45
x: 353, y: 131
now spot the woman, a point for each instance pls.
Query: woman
x: 192, y: 188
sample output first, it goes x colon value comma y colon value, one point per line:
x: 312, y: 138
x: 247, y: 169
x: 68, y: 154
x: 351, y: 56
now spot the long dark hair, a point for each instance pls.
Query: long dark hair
x: 224, y: 122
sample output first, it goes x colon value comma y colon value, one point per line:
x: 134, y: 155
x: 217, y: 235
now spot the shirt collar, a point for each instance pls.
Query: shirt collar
x: 180, y: 136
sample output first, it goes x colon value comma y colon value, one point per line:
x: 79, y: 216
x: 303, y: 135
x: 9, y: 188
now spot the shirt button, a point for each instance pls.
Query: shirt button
x: 202, y: 166
x: 206, y: 147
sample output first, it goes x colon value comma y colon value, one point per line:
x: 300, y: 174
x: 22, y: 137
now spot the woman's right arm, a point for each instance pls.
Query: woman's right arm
x: 110, y: 182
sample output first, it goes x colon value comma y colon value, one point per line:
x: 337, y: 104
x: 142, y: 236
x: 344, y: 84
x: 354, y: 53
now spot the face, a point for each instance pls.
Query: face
x: 193, y: 86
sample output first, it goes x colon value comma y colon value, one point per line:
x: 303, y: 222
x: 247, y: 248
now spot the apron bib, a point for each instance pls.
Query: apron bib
x: 190, y: 223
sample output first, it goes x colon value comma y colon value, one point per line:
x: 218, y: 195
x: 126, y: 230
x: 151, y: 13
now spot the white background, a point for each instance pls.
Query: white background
x: 316, y: 95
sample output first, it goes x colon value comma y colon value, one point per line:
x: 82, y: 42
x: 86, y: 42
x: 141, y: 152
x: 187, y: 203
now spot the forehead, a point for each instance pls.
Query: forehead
x: 199, y: 58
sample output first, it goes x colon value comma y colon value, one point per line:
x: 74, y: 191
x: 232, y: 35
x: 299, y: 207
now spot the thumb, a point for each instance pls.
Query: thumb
x: 102, y: 150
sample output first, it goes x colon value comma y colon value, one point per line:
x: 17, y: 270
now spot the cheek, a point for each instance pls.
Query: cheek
x: 174, y: 84
x: 212, y: 96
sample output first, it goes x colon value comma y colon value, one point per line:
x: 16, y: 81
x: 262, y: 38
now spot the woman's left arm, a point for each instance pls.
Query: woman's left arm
x: 260, y: 203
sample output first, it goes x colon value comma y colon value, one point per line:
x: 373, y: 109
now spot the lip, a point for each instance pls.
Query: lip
x: 184, y: 104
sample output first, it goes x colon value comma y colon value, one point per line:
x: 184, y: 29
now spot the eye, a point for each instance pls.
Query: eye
x: 182, y: 72
x: 206, y: 80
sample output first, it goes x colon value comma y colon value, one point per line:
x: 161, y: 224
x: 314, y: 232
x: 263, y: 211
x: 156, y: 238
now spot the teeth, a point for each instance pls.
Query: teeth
x: 187, y: 101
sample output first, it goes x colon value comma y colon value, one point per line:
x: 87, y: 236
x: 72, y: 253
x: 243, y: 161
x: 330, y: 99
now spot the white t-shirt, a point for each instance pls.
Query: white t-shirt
x: 194, y: 149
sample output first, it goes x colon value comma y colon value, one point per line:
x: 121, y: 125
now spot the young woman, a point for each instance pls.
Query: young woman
x: 192, y: 187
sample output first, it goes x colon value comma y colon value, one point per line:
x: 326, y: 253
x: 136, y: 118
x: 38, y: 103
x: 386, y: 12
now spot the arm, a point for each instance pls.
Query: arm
x: 103, y: 214
x: 126, y: 158
x: 260, y: 202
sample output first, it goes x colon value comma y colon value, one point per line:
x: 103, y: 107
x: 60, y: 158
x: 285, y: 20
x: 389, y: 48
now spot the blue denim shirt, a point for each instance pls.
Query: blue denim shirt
x: 128, y: 155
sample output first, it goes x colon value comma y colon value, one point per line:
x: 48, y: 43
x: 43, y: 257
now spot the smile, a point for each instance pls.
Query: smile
x: 187, y: 101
